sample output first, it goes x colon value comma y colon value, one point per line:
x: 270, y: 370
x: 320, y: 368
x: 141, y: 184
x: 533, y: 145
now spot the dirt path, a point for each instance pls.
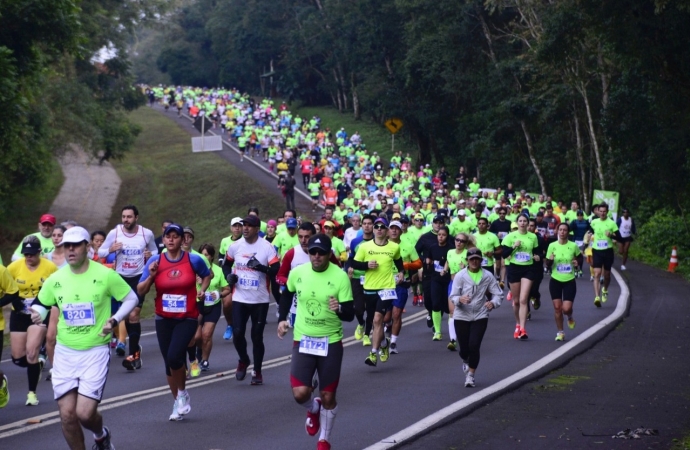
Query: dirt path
x: 88, y: 193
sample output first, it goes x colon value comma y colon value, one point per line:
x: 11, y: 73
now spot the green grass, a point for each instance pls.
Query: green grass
x: 376, y: 137
x: 641, y: 254
x: 165, y: 180
x: 31, y: 204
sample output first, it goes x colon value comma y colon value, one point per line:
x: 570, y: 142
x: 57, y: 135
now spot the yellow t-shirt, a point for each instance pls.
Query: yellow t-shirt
x: 7, y: 286
x: 29, y: 282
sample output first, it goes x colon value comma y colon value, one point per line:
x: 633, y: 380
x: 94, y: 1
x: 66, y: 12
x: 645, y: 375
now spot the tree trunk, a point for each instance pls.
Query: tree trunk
x: 530, y: 151
x: 355, y: 98
x: 337, y: 90
x: 592, y: 134
x: 584, y: 199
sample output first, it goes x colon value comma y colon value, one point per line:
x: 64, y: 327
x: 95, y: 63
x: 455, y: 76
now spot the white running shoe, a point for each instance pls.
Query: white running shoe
x: 183, y: 404
x: 469, y: 380
x: 622, y: 267
x: 175, y: 416
x: 465, y: 367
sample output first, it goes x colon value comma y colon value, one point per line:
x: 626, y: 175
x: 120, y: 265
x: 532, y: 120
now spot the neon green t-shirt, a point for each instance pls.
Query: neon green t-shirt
x: 384, y: 255
x: 456, y: 261
x: 563, y: 256
x: 458, y: 226
x: 487, y: 243
x: 84, y: 303
x: 600, y: 241
x: 313, y: 290
x: 522, y: 255
x: 284, y: 242
x: 47, y: 245
x: 314, y: 189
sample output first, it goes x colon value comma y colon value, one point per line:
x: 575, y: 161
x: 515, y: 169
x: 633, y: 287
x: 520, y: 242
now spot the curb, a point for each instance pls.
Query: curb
x: 538, y: 369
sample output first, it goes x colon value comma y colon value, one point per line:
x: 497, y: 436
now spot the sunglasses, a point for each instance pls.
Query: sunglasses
x: 462, y: 241
x: 379, y: 227
x: 317, y: 251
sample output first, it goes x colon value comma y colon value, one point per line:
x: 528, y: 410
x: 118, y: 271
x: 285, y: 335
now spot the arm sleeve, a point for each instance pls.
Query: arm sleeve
x: 12, y: 298
x: 285, y: 303
x: 399, y: 265
x: 284, y: 270
x: 109, y: 240
x: 128, y: 304
x: 273, y: 270
x: 413, y: 265
x: 347, y: 311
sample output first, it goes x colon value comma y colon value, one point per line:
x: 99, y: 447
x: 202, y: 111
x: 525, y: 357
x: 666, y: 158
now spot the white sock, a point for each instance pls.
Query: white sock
x: 327, y: 421
x: 451, y: 329
x: 394, y: 339
x: 102, y: 435
x: 311, y: 405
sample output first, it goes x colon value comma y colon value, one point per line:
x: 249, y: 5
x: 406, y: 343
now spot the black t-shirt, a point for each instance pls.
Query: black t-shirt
x: 498, y: 226
x: 289, y: 185
x: 460, y: 178
x: 438, y: 256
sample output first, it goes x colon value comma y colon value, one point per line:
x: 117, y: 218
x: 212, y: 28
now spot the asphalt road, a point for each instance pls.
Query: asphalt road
x: 374, y: 402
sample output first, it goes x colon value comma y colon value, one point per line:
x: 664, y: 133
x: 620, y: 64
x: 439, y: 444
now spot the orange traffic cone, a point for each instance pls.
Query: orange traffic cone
x: 673, y: 263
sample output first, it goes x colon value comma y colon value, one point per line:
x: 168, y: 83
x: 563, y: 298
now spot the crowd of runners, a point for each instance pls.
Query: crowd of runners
x: 388, y: 231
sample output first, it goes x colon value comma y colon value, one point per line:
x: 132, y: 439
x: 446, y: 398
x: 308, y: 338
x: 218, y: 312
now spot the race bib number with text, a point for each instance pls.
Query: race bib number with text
x: 314, y: 346
x: 78, y: 314
x: 173, y: 303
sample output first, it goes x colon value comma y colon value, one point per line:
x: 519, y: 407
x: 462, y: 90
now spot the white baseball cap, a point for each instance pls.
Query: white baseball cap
x: 235, y: 221
x: 75, y: 235
x: 395, y: 223
x: 462, y: 212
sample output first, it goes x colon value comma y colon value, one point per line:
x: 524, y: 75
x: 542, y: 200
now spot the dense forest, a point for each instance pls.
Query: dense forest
x: 557, y: 96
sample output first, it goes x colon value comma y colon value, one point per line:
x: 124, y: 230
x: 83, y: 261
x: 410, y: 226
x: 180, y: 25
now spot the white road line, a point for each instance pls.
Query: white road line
x: 430, y: 421
x: 20, y: 426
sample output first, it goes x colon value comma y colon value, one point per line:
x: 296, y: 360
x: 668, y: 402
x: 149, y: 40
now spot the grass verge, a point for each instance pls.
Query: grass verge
x: 376, y: 137
x: 644, y: 256
x: 165, y: 180
x: 30, y: 206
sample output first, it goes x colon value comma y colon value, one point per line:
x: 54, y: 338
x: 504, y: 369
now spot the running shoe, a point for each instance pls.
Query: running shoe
x: 257, y: 378
x: 175, y: 416
x: 371, y: 359
x: 601, y: 279
x: 50, y: 375
x: 31, y: 399
x: 597, y: 302
x: 228, y: 333
x: 604, y: 295
x: 133, y: 362
x: 623, y: 267
x: 366, y: 340
x: 523, y: 334
x: 529, y: 315
x: 452, y: 345
x: 465, y: 367
x: 241, y: 371
x: 469, y: 380
x: 323, y: 445
x: 4, y: 392
x: 437, y: 337
x: 571, y: 323
x: 195, y: 370
x: 384, y: 352
x: 204, y: 365
x: 394, y: 348
x: 104, y: 442
x: 509, y: 297
x: 113, y: 343
x: 120, y: 349
x: 429, y: 322
x: 183, y: 403
x: 536, y: 303
x: 516, y: 333
x: 579, y: 274
x: 560, y: 336
x: 359, y: 332
x: 591, y: 278
x: 313, y: 422
x: 41, y: 361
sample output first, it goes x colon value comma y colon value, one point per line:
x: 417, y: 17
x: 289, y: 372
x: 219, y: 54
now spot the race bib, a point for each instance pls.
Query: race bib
x: 208, y: 300
x: 602, y: 244
x: 580, y: 244
x: 388, y: 294
x: 502, y: 234
x: 314, y: 346
x: 523, y: 257
x: 438, y: 267
x: 485, y: 262
x: 78, y: 314
x: 251, y: 284
x: 173, y: 303
x: 361, y: 280
x: 564, y: 268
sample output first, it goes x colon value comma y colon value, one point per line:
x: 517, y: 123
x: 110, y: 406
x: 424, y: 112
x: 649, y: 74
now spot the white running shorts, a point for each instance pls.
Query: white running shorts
x: 86, y: 370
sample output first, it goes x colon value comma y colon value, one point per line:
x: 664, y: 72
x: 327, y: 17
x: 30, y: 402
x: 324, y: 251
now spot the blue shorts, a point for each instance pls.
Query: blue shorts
x: 402, y: 293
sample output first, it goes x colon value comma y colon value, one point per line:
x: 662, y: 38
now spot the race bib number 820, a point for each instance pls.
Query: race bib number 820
x: 78, y: 314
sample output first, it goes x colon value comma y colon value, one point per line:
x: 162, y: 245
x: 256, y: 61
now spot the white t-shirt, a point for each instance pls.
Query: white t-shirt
x: 130, y: 260
x: 252, y: 286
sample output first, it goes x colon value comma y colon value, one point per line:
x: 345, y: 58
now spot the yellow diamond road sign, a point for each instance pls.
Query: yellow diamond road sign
x: 394, y: 125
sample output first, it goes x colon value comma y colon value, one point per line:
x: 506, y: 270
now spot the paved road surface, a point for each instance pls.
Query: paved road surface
x: 375, y: 402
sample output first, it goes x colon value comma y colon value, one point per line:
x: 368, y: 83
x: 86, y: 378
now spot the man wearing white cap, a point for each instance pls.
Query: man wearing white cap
x: 82, y: 292
x: 235, y: 234
x: 461, y: 224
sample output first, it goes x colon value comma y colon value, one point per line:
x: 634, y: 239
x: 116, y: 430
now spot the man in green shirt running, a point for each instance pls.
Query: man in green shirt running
x: 603, y: 230
x: 45, y: 230
x: 82, y: 293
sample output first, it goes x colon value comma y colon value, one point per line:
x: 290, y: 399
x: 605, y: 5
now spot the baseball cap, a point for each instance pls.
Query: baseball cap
x: 235, y: 221
x: 404, y: 219
x: 418, y: 216
x: 395, y: 223
x: 473, y: 253
x: 381, y: 220
x: 30, y: 249
x: 251, y: 221
x: 320, y: 241
x: 462, y: 212
x: 188, y: 230
x: 47, y: 218
x: 272, y: 223
x: 540, y: 214
x: 462, y: 201
x: 173, y: 227
x: 580, y: 212
x: 75, y: 235
x: 396, y: 216
x: 329, y: 224
x: 440, y: 218
x: 291, y: 223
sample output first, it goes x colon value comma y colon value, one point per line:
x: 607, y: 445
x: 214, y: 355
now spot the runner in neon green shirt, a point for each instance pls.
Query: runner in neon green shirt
x: 561, y: 258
